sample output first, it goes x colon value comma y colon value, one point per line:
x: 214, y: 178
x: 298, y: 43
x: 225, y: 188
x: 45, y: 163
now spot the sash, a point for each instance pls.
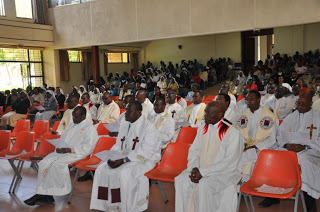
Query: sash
x: 146, y: 107
x: 159, y: 124
x: 200, y: 114
x: 265, y: 127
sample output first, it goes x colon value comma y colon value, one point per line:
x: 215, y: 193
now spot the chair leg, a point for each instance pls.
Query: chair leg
x: 303, y: 202
x: 73, y: 185
x: 163, y: 192
x: 296, y: 200
x: 251, y: 202
x: 239, y: 201
x: 19, y: 178
x: 246, y: 201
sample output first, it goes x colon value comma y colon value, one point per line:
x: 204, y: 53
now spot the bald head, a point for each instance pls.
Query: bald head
x: 141, y: 96
x: 304, y: 103
x: 214, y: 112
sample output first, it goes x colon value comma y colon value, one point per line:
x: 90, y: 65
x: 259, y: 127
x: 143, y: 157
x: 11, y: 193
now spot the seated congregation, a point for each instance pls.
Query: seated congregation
x: 232, y: 128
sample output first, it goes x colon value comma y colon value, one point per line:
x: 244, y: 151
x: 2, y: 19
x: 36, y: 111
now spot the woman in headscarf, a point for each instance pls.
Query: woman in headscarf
x: 241, y: 78
x: 49, y: 108
x: 174, y: 85
x: 20, y: 109
x: 162, y: 84
x: 82, y: 90
x: 75, y: 92
x: 60, y: 97
x: 95, y: 98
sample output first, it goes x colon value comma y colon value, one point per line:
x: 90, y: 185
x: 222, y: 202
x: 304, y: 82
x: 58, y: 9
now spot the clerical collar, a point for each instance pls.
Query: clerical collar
x: 109, y: 103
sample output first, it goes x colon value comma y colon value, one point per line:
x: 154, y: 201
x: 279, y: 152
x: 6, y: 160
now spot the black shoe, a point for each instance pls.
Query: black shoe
x: 45, y: 200
x: 310, y: 203
x: 32, y: 201
x: 85, y: 177
x: 267, y: 202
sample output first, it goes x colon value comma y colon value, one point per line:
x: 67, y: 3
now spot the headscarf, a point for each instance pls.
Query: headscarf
x: 52, y: 95
x: 84, y: 89
x: 286, y: 85
x: 61, y: 91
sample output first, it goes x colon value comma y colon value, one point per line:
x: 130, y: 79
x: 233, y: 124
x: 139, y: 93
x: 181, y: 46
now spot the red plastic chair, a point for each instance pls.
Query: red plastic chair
x: 240, y: 98
x: 22, y: 125
x: 115, y: 98
x: 40, y: 128
x: 55, y: 126
x: 8, y: 109
x: 187, y: 135
x: 104, y: 143
x: 207, y: 101
x: 276, y: 169
x: 101, y: 130
x: 24, y: 142
x: 122, y: 110
x: 174, y: 161
x: 5, y: 137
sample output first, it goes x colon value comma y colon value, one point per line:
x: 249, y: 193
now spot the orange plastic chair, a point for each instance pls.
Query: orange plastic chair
x: 101, y: 130
x: 207, y: 101
x: 277, y: 169
x: 1, y: 111
x: 189, y: 103
x: 240, y: 98
x: 40, y: 128
x: 173, y: 162
x: 55, y: 126
x: 115, y: 98
x: 24, y: 142
x: 5, y: 137
x: 187, y: 135
x: 210, y: 98
x: 104, y: 143
x: 22, y: 125
x: 122, y: 110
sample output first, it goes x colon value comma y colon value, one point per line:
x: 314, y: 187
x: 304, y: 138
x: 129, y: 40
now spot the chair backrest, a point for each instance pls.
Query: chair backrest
x: 175, y: 157
x: 55, y: 126
x: 122, y: 110
x: 1, y: 111
x: 8, y: 109
x: 101, y: 130
x: 277, y: 168
x: 240, y: 98
x: 5, y: 136
x: 115, y: 98
x: 24, y: 141
x: 104, y: 143
x: 45, y: 147
x: 40, y: 128
x: 22, y: 125
x: 187, y: 135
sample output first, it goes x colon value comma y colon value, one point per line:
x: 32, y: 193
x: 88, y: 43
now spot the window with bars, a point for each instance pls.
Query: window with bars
x: 118, y: 57
x: 2, y: 11
x: 20, y: 68
x: 75, y: 56
x: 55, y: 3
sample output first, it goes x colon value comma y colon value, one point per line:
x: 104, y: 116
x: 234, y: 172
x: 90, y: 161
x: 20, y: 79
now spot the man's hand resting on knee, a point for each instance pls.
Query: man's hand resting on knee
x: 115, y: 163
x: 195, y: 175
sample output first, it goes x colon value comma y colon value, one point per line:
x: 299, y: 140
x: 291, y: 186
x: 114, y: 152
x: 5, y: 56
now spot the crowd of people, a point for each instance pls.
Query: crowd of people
x: 275, y: 112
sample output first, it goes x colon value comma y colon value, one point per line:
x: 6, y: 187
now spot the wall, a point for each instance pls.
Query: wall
x: 143, y: 20
x: 311, y: 37
x: 201, y: 48
x: 75, y: 76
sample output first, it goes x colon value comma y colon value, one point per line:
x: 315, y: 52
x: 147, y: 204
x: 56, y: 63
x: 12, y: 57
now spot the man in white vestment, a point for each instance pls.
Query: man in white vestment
x: 124, y: 92
x: 210, y: 181
x: 258, y: 127
x: 173, y: 108
x: 120, y: 185
x: 72, y: 102
x: 54, y: 175
x: 296, y: 90
x: 109, y: 111
x: 300, y: 133
x: 242, y: 105
x: 195, y: 112
x: 283, y: 106
x: 225, y: 88
x: 91, y: 108
x: 229, y: 114
x: 269, y: 97
x: 147, y: 106
x: 164, y: 123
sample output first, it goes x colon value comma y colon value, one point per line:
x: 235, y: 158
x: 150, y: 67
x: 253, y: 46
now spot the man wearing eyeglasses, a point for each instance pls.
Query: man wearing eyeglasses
x: 299, y: 133
x: 109, y: 111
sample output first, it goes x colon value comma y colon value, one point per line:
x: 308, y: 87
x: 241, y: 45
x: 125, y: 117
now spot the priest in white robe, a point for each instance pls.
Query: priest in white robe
x: 300, y: 132
x: 54, y: 175
x: 91, y: 108
x: 269, y: 97
x: 164, y: 123
x: 120, y: 185
x: 242, y: 104
x: 173, y: 108
x: 147, y: 106
x: 296, y: 90
x: 229, y: 114
x: 210, y: 181
x: 72, y: 102
x: 195, y: 112
x: 109, y: 111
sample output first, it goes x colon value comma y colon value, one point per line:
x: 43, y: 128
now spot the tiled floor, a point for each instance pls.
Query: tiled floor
x: 81, y: 198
